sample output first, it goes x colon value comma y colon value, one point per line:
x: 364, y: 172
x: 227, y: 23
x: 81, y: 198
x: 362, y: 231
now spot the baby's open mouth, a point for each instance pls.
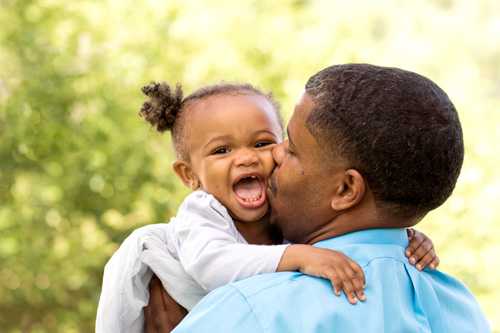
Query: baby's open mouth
x: 250, y: 191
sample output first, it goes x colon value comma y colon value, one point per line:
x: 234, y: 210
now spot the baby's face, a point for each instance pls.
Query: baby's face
x: 230, y: 138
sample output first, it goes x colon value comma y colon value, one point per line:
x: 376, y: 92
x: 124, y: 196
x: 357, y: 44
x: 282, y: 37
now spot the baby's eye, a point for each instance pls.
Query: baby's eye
x: 220, y: 150
x: 261, y: 144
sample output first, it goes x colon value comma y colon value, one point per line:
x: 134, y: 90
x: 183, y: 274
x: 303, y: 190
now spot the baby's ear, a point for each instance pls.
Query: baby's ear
x: 186, y: 174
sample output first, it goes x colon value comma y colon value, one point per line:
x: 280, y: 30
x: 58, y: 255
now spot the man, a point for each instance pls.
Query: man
x: 370, y: 151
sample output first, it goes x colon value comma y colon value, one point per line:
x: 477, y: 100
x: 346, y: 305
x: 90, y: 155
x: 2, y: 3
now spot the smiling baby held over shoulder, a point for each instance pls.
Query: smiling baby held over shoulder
x: 223, y: 136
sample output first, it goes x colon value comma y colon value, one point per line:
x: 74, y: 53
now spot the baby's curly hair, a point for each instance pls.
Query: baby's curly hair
x: 165, y: 108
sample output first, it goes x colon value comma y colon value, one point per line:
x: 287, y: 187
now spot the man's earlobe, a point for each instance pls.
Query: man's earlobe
x: 185, y: 173
x: 350, y: 191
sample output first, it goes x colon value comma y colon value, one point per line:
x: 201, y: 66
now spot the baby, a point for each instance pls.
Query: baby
x: 223, y: 137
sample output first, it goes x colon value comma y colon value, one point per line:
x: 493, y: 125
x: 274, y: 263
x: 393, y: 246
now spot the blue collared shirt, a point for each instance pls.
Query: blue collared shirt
x: 399, y: 297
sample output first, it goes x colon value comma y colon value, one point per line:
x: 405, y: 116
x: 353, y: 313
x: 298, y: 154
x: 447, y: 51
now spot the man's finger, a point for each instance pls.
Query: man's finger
x: 158, y: 316
x: 155, y: 298
x: 175, y: 312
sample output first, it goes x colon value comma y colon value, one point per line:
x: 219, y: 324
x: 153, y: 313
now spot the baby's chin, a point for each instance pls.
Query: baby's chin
x: 251, y: 215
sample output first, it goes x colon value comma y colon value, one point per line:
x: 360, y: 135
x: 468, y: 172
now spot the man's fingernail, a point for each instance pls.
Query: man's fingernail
x: 412, y: 260
x: 433, y: 266
x: 419, y: 267
x: 407, y: 253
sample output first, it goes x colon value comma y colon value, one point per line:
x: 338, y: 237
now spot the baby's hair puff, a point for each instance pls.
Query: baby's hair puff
x: 165, y: 108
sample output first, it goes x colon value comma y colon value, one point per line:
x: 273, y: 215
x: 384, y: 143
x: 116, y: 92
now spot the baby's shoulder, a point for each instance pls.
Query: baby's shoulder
x: 202, y: 214
x: 202, y: 204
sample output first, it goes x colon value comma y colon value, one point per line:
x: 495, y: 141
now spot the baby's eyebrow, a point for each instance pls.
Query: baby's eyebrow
x: 266, y: 131
x: 219, y: 138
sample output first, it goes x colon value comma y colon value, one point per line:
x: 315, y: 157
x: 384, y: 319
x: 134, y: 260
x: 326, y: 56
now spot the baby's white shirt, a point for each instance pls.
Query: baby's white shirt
x: 199, y: 250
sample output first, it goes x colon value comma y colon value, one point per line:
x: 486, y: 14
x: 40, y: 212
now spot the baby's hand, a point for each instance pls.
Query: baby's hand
x: 420, y: 251
x: 344, y: 274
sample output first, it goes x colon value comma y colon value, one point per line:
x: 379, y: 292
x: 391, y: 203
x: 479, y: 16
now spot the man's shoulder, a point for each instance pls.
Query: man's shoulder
x: 370, y: 257
x: 399, y: 298
x: 266, y: 283
x: 295, y: 302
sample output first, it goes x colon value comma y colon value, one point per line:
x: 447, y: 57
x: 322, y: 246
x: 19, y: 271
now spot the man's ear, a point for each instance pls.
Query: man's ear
x: 350, y: 191
x: 186, y: 174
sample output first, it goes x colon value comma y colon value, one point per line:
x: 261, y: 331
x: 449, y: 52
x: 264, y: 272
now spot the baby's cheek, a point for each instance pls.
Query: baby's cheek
x: 268, y: 162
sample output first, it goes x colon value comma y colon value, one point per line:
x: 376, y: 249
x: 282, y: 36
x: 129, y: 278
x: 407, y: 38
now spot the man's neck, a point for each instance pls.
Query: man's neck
x: 355, y: 221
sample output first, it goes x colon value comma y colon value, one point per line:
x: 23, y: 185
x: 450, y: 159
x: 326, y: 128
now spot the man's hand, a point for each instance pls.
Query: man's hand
x: 163, y: 313
x: 420, y: 251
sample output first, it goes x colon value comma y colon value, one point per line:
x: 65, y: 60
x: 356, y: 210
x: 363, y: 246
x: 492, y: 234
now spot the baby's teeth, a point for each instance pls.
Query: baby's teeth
x: 252, y: 199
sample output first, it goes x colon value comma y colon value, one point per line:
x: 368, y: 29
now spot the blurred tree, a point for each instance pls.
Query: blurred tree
x: 79, y: 169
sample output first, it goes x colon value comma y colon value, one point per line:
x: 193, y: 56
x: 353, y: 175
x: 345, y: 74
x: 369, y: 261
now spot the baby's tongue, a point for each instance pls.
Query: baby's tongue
x: 248, y: 189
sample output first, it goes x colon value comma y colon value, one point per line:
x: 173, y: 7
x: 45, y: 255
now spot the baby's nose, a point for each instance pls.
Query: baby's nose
x: 247, y: 157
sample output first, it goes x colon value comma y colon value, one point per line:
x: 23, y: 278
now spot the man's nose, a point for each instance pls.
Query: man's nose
x: 279, y: 153
x: 246, y: 157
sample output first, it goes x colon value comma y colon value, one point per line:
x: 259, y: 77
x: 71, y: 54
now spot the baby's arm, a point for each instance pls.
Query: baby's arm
x: 420, y: 251
x: 213, y: 253
x: 343, y: 273
x: 211, y: 250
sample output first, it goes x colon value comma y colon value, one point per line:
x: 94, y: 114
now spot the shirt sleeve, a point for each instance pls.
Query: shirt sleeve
x: 223, y: 310
x: 210, y: 248
x: 125, y: 285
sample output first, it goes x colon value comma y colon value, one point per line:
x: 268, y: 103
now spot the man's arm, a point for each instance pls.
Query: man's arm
x: 162, y: 314
x: 223, y: 310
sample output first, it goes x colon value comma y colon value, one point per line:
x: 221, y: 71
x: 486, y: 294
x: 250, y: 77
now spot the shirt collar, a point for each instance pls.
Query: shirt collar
x: 369, y: 236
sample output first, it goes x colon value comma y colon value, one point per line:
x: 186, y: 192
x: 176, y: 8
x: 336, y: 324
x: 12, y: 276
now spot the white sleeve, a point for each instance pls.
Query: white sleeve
x: 125, y: 287
x: 210, y: 248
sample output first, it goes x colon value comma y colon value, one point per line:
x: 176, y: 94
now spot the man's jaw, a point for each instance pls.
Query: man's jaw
x: 272, y: 186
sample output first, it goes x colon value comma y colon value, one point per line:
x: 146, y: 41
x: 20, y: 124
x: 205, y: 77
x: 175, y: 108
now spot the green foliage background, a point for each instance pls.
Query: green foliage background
x: 79, y: 170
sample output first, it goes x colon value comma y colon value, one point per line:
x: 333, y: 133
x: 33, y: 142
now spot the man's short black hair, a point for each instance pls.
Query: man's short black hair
x: 397, y: 128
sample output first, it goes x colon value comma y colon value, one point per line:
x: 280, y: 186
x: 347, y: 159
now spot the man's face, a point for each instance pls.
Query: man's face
x: 303, y: 181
